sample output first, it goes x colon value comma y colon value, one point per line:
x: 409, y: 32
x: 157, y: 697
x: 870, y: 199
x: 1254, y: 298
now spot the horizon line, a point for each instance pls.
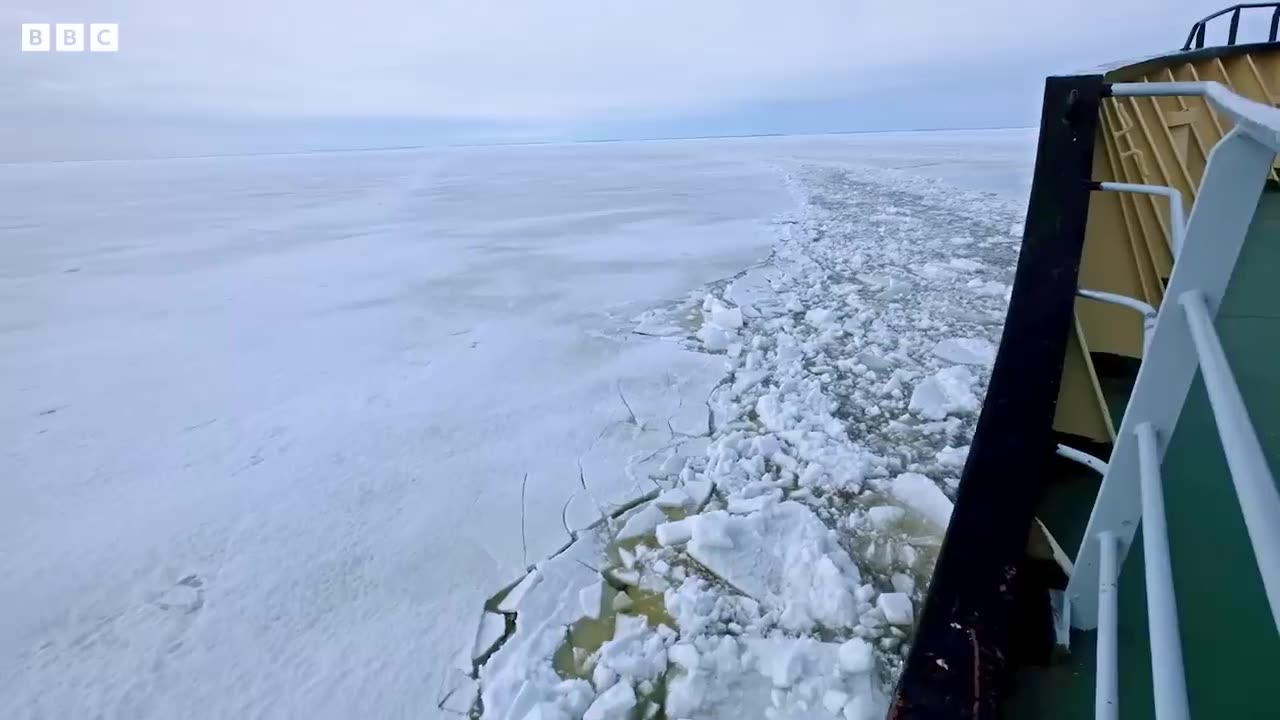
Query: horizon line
x: 509, y: 143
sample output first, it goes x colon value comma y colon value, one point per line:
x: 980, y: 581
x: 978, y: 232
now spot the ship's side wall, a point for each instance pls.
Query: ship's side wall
x: 1128, y: 244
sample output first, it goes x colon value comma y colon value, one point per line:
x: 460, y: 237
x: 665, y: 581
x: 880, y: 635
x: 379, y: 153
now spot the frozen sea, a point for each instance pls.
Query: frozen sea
x: 272, y: 428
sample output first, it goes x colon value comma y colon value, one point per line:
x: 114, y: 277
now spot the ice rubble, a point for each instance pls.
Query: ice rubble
x: 776, y: 573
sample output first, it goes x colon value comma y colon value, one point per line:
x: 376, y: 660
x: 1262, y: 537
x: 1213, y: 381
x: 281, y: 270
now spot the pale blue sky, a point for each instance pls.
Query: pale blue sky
x: 260, y: 75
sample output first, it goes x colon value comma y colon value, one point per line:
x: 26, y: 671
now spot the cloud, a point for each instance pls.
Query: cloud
x: 539, y: 61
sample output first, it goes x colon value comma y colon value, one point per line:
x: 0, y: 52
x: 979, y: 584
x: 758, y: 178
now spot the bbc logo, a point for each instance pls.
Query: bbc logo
x: 70, y: 37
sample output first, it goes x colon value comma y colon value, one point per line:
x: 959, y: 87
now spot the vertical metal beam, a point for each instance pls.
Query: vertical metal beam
x: 968, y: 631
x: 1234, y: 28
x: 1106, y: 700
x: 1233, y: 180
x: 1255, y: 486
x: 1167, y: 671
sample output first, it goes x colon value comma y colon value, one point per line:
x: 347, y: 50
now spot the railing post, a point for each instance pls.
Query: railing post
x: 1234, y: 28
x: 1107, y: 691
x: 1167, y: 674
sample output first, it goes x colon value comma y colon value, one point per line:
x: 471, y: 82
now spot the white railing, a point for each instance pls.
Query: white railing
x: 1148, y: 312
x: 1177, y: 216
x: 1182, y: 339
x: 1097, y: 465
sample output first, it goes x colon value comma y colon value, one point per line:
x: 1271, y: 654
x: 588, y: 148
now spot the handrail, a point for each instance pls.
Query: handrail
x: 1148, y: 312
x: 1177, y: 216
x: 1183, y: 341
x: 1196, y: 35
x: 1080, y: 457
x: 1261, y: 122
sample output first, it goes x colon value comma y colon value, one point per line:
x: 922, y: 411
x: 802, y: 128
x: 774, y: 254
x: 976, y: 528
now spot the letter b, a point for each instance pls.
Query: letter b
x: 69, y: 37
x: 35, y: 37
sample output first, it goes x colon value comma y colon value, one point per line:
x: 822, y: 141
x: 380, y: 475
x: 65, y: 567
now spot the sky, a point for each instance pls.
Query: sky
x: 214, y: 76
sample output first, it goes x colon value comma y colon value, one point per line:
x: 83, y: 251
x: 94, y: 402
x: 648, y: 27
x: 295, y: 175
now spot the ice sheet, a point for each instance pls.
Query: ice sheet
x: 273, y: 428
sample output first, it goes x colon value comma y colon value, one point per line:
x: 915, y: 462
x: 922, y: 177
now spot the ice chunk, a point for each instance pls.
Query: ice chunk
x: 727, y: 318
x: 990, y: 288
x: 699, y: 491
x: 740, y: 506
x: 575, y: 696
x: 967, y: 351
x: 784, y: 665
x: 714, y: 337
x: 511, y: 603
x: 613, y: 704
x: 673, y: 498
x: 642, y: 522
x: 784, y: 557
x: 547, y: 711
x: 657, y: 322
x: 922, y: 496
x: 965, y: 264
x: 934, y: 271
x: 884, y: 516
x: 903, y: 583
x: 950, y: 457
x: 948, y: 391
x: 744, y: 380
x: 685, y: 655
x: 856, y: 657
x: 674, y: 533
x: 859, y: 708
x: 462, y: 698
x: 895, y: 289
x: 865, y: 593
x: 490, y: 630
x: 896, y: 608
x: 711, y: 532
x: 834, y: 701
x: 629, y: 578
x: 591, y: 598
x: 818, y: 317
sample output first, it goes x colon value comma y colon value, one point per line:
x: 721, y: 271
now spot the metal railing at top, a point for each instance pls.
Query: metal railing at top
x: 1182, y: 340
x: 1196, y: 36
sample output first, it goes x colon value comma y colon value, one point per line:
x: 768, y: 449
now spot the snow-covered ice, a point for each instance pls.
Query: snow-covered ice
x: 946, y: 392
x: 922, y: 495
x: 967, y: 351
x: 784, y: 557
x: 276, y: 428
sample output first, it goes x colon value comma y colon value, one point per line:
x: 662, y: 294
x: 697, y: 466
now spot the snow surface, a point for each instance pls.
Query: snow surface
x: 275, y: 428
